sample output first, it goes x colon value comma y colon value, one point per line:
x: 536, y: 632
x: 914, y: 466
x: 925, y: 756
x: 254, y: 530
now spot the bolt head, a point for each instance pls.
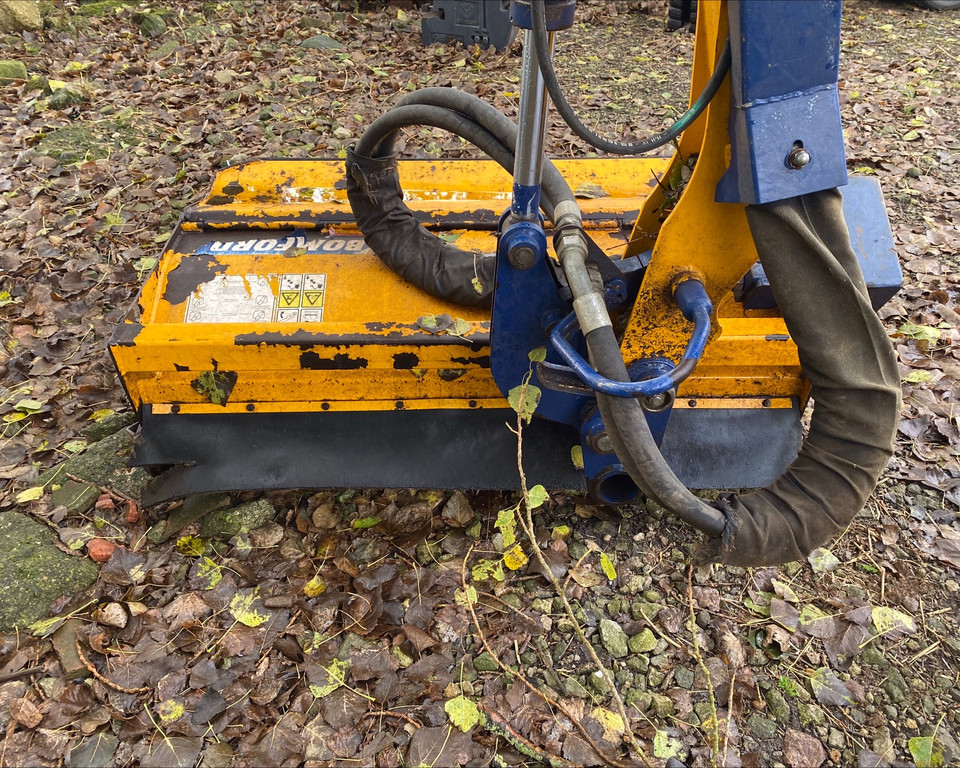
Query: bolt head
x: 799, y: 158
x: 522, y: 257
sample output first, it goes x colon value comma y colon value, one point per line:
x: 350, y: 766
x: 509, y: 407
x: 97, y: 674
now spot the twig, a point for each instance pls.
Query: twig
x: 715, y: 726
x: 115, y: 495
x: 523, y: 745
x: 105, y: 680
x: 28, y: 672
x: 522, y: 678
x: 386, y: 713
x: 526, y: 522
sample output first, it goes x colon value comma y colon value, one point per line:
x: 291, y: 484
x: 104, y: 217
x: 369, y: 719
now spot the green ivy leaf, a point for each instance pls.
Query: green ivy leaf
x: 243, y: 610
x: 576, y: 456
x: 336, y: 676
x: 607, y: 566
x: 926, y: 752
x: 488, y: 570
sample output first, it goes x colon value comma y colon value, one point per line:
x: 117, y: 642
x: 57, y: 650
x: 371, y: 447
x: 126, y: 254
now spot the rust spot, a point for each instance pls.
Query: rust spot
x: 219, y: 200
x: 192, y: 272
x: 451, y: 374
x: 339, y: 362
x: 233, y: 189
x: 181, y: 368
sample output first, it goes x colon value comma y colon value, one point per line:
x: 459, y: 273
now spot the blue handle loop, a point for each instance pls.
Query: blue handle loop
x: 695, y: 305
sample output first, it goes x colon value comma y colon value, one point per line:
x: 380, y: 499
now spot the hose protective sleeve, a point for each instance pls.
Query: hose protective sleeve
x: 392, y: 231
x: 804, y: 247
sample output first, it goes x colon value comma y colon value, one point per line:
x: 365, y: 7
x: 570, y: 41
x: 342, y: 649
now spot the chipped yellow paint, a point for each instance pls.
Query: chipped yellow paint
x: 235, y: 296
x: 712, y: 242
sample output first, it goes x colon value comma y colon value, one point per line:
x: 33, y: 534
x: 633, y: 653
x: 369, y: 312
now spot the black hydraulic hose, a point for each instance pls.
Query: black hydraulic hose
x: 804, y: 246
x: 633, y: 442
x: 541, y: 46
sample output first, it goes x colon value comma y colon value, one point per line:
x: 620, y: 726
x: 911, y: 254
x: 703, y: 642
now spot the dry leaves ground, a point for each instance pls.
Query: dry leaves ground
x: 288, y: 629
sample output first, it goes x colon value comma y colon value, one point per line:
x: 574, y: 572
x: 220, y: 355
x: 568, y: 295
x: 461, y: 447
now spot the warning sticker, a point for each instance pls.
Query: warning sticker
x: 232, y: 299
x: 301, y: 298
x: 251, y: 299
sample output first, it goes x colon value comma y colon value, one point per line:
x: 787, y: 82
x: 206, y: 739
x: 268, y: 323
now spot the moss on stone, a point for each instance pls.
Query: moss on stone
x: 35, y: 572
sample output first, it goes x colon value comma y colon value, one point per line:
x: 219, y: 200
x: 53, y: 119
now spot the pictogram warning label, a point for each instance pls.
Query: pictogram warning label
x: 251, y: 299
x: 301, y: 298
x: 232, y: 299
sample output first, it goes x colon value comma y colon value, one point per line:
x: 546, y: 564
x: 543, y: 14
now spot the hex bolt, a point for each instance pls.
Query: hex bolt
x: 522, y: 257
x: 798, y: 158
x: 658, y: 402
x: 601, y: 442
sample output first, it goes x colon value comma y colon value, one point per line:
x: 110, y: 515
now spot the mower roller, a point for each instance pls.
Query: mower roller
x: 367, y: 322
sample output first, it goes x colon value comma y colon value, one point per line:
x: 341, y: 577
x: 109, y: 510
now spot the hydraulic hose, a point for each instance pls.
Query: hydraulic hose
x: 804, y: 247
x: 542, y: 48
x: 391, y: 229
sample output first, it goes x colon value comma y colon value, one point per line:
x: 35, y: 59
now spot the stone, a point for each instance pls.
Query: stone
x: 20, y: 16
x: 35, y: 572
x: 105, y: 463
x: 661, y: 706
x: 778, y: 705
x: 153, y: 25
x: 643, y: 642
x: 485, y: 663
x: 574, y: 689
x: 11, y: 71
x: 242, y: 519
x: 801, y: 750
x: 190, y: 511
x: 836, y: 739
x: 64, y: 642
x: 614, y: 639
x: 810, y: 714
x: 109, y: 425
x: 761, y: 727
x: 598, y: 683
x: 683, y: 676
x: 76, y: 497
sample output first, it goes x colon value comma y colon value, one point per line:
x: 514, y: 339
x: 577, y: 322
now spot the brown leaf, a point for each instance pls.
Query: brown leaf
x: 25, y: 712
x: 801, y: 750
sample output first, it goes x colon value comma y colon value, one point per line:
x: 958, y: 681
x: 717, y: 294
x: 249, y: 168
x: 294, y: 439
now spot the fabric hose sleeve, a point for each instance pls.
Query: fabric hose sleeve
x: 804, y: 247
x: 394, y: 234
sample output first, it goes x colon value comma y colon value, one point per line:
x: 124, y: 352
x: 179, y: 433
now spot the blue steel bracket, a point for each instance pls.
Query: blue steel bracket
x: 607, y: 480
x: 785, y: 131
x: 526, y: 304
x: 695, y: 306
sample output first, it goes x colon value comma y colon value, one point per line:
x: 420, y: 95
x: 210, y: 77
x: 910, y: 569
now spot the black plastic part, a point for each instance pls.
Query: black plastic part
x: 371, y: 449
x: 433, y: 449
x: 681, y: 13
x: 470, y: 22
